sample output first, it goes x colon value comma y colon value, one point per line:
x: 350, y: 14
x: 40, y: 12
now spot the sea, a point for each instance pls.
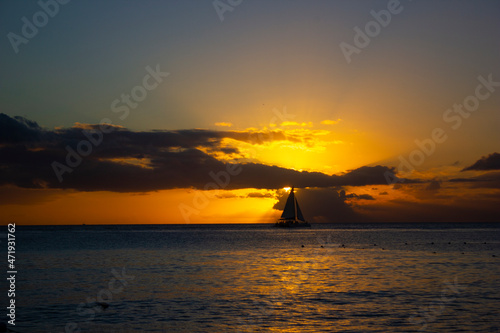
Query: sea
x: 427, y: 277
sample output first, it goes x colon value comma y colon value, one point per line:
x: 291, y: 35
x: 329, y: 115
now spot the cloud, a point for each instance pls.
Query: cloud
x: 434, y: 185
x: 490, y: 162
x: 224, y: 124
x: 226, y: 195
x: 368, y: 175
x: 18, y: 129
x: 260, y: 195
x: 343, y: 195
x: 488, y: 180
x: 331, y: 122
x: 365, y: 197
x: 128, y: 161
x: 294, y: 123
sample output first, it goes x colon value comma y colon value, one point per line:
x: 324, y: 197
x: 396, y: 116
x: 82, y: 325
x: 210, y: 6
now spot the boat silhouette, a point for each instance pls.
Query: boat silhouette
x: 292, y: 215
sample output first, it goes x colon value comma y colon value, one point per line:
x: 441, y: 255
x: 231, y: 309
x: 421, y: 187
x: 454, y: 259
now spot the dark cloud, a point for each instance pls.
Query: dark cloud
x: 126, y: 161
x: 368, y: 175
x: 434, y: 185
x: 490, y: 162
x: 18, y: 129
x: 365, y: 197
x: 488, y: 180
x: 260, y: 195
x: 343, y: 195
x: 229, y: 150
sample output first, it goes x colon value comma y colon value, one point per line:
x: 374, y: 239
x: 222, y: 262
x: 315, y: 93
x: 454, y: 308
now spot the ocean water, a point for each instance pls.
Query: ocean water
x: 255, y: 278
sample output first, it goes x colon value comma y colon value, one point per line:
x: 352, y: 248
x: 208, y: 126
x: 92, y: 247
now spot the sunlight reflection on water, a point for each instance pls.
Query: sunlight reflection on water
x: 223, y: 279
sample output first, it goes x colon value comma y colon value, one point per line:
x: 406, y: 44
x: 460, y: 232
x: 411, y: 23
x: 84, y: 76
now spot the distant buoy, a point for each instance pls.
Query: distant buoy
x: 102, y: 305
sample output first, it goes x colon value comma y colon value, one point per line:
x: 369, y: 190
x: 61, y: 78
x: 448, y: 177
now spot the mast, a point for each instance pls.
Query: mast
x: 294, y: 206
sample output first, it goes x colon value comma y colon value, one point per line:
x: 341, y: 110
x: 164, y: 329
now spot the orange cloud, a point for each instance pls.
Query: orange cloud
x: 224, y: 124
x: 294, y: 123
x: 331, y: 122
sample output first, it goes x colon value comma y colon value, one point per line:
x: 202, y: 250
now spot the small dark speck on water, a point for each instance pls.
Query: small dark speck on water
x: 103, y: 305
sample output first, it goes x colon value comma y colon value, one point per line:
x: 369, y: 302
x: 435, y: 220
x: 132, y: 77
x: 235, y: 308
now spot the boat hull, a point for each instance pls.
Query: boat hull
x: 292, y: 224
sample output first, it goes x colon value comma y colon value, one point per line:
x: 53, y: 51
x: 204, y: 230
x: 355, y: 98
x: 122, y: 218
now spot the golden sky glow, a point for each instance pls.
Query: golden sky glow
x: 272, y: 93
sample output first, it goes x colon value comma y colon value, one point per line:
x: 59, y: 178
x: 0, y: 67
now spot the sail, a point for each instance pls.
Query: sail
x: 299, y: 213
x: 292, y: 210
x: 289, y: 211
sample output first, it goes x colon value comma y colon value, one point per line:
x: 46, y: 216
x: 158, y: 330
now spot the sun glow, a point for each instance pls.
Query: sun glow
x: 287, y: 189
x: 305, y: 149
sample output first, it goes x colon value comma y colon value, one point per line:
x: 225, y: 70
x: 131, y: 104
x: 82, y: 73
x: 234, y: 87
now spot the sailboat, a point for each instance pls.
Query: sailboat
x: 292, y: 215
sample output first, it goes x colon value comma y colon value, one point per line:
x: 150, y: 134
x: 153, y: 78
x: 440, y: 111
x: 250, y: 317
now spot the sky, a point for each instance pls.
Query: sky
x: 203, y: 111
